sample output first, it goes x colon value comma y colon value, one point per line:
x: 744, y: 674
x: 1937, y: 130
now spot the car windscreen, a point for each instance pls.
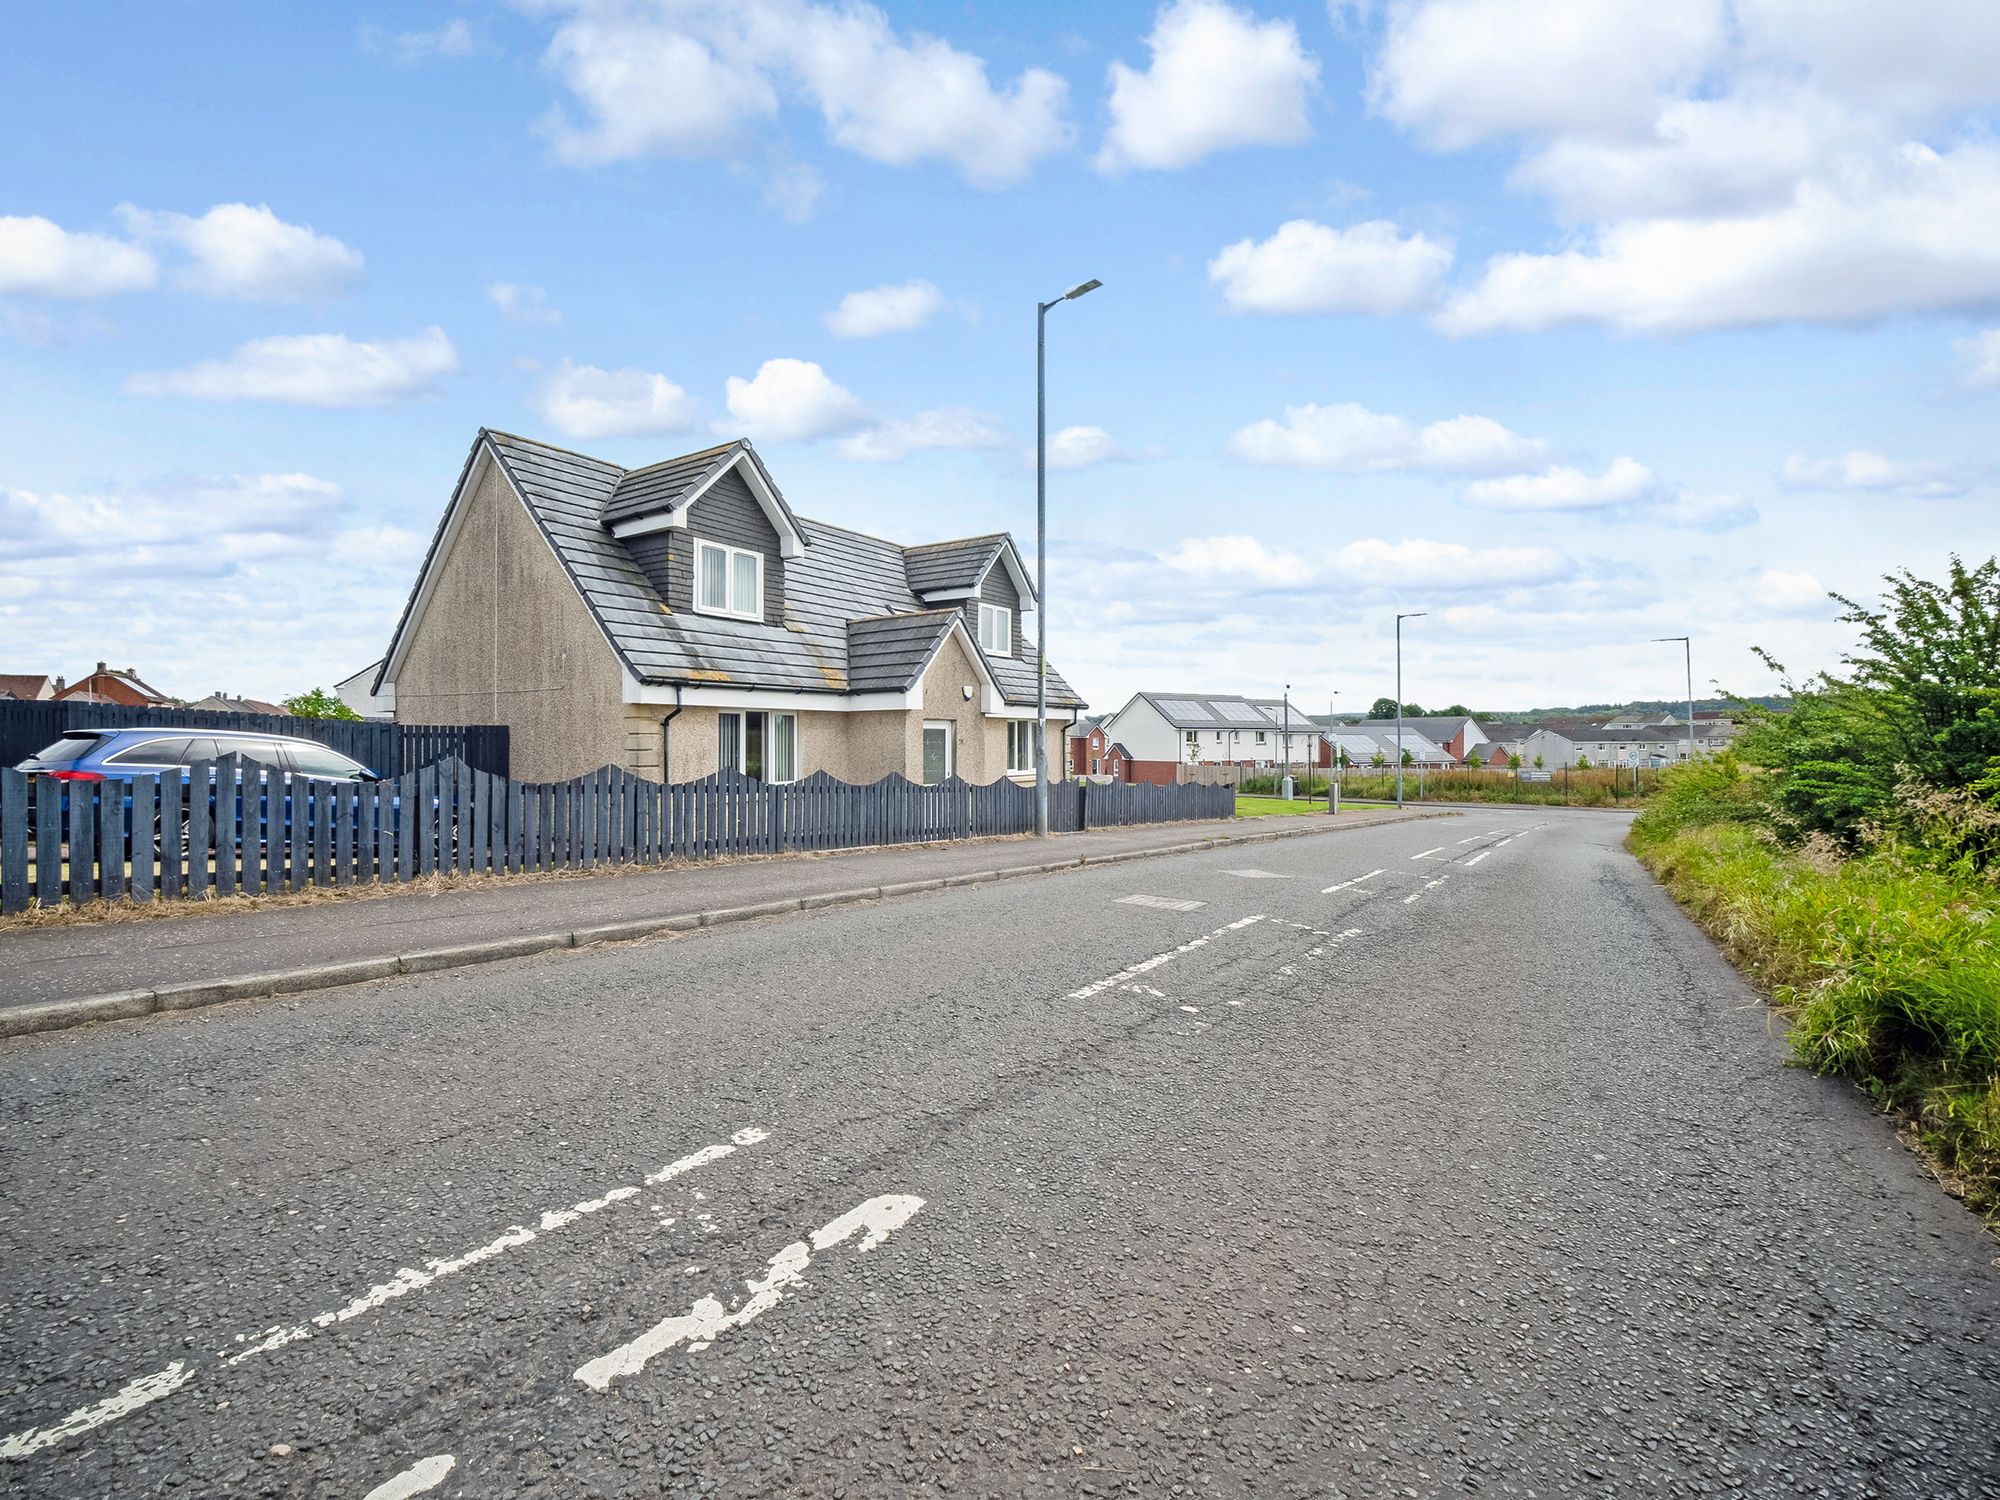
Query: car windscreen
x: 318, y: 760
x: 65, y: 751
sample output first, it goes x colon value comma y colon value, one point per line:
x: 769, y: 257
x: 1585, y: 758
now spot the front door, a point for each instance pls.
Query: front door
x: 937, y: 753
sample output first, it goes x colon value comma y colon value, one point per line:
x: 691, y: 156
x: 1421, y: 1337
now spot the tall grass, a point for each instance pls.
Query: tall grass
x: 1887, y: 963
x: 1597, y: 787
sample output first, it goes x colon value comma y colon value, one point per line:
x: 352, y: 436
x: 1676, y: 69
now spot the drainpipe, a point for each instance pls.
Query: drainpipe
x: 667, y: 739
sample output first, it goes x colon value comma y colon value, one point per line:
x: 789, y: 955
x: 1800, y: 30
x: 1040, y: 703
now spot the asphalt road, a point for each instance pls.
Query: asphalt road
x: 1478, y: 1173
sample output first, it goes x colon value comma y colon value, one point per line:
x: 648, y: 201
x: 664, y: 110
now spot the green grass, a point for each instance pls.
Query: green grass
x: 1887, y: 965
x: 1266, y: 807
x: 1571, y: 787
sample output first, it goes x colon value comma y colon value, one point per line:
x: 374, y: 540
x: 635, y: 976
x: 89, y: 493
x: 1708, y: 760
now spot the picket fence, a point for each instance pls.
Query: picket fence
x: 230, y: 828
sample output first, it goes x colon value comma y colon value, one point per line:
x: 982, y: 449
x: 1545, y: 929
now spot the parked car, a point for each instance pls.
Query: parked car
x: 121, y: 754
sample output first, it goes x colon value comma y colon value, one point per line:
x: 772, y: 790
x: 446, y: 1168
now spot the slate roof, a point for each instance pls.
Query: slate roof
x: 888, y: 653
x: 932, y: 566
x: 1210, y: 711
x: 659, y: 487
x: 842, y: 575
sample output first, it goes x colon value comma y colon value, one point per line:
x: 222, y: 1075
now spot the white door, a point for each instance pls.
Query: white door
x: 937, y: 752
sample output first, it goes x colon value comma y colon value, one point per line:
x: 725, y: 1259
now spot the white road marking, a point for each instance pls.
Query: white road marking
x: 141, y: 1392
x: 1126, y: 976
x: 409, y: 1279
x: 707, y: 1321
x: 1162, y: 903
x: 1193, y: 1010
x: 1477, y: 858
x: 1346, y: 883
x: 424, y: 1474
x: 1256, y: 875
x: 1429, y: 885
x: 1506, y: 841
x: 1429, y: 852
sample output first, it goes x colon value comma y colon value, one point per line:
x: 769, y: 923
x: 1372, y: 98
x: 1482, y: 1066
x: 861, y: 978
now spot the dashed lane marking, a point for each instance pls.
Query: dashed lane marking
x: 141, y: 1392
x: 1127, y: 975
x: 1346, y: 883
x: 708, y: 1320
x: 1161, y: 903
x: 1477, y: 858
x: 424, y: 1474
x: 1429, y: 852
x: 150, y: 1388
x: 1256, y: 875
x: 1429, y: 885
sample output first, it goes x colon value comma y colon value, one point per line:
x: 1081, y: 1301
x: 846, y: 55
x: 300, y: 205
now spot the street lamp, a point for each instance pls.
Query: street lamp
x: 1687, y: 648
x: 1042, y: 559
x: 1418, y: 615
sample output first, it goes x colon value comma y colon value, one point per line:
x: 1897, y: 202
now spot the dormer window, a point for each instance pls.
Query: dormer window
x: 996, y: 630
x: 728, y: 581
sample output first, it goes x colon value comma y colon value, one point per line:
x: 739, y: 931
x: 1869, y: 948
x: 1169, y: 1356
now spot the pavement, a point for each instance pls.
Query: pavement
x: 1439, y: 1157
x: 43, y: 964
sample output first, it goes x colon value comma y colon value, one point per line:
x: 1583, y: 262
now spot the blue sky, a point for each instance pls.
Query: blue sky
x: 1666, y: 319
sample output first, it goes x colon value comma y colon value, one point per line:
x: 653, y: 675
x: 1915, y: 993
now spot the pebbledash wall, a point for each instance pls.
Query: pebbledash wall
x: 508, y: 640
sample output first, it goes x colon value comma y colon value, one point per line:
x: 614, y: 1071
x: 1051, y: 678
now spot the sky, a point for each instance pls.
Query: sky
x: 1568, y: 326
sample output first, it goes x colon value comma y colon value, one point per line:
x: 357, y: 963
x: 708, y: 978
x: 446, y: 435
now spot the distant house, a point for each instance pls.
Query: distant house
x: 220, y: 702
x: 107, y: 686
x: 679, y: 618
x: 1623, y: 740
x: 1166, y: 731
x: 1455, y: 734
x: 358, y: 693
x: 27, y: 687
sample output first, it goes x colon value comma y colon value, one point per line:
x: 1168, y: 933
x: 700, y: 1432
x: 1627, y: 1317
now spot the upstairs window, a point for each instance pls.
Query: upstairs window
x: 996, y: 630
x: 728, y: 581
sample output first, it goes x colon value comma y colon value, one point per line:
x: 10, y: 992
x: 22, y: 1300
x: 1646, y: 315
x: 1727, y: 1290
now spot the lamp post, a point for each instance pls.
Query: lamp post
x: 1042, y: 557
x: 1285, y: 737
x: 1687, y: 649
x: 1418, y: 615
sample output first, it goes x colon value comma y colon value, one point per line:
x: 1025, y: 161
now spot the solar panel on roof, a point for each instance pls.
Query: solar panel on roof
x: 1242, y: 713
x: 1183, y: 708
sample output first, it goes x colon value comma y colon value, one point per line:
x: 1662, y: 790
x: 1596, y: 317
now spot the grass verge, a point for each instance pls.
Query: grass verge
x: 1887, y: 968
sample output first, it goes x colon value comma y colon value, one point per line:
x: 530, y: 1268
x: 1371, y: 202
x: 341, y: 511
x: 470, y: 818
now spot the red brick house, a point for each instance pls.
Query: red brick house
x: 107, y: 686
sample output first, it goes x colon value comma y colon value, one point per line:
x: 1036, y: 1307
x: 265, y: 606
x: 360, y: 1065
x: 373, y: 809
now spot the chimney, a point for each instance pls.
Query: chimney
x: 100, y: 669
x: 60, y: 684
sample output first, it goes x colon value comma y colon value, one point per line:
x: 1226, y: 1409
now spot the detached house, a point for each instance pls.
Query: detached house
x: 681, y: 617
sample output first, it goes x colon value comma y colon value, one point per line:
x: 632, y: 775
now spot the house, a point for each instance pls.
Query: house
x: 680, y: 617
x: 219, y: 702
x: 1117, y: 763
x: 27, y: 687
x: 1456, y: 734
x: 358, y: 693
x: 107, y: 686
x: 1166, y: 731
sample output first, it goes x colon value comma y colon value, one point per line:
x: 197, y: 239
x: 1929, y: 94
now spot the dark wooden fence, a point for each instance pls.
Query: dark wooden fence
x: 231, y: 828
x: 386, y: 749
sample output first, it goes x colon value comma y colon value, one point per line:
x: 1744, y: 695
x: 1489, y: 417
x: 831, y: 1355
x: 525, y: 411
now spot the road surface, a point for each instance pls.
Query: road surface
x: 1423, y: 1159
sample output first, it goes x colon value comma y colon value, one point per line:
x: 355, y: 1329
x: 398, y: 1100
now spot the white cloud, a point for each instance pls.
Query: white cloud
x: 885, y: 309
x: 453, y: 39
x: 793, y: 401
x: 1350, y: 439
x: 40, y: 257
x: 1416, y: 563
x: 1219, y: 78
x: 697, y: 80
x: 1625, y: 482
x: 1705, y: 510
x: 312, y: 369
x: 793, y: 189
x: 1082, y: 447
x: 949, y: 427
x: 1916, y: 58
x: 1775, y: 591
x: 1242, y: 556
x: 1307, y: 267
x: 1979, y: 360
x: 1462, y: 71
x: 235, y: 250
x: 521, y: 304
x: 583, y: 401
x: 1864, y: 472
x: 1919, y: 232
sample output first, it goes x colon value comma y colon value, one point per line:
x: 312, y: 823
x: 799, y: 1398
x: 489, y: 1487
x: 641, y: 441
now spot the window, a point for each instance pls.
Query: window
x: 764, y: 747
x: 996, y: 630
x: 1021, y: 745
x: 325, y: 764
x: 728, y: 581
x: 1260, y: 736
x: 162, y: 752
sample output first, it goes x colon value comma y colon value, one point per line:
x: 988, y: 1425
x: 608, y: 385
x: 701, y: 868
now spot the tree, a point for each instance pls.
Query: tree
x: 319, y: 704
x: 1409, y: 759
x: 1514, y: 761
x: 1457, y: 708
x: 1583, y: 762
x: 1538, y: 761
x: 1474, y: 761
x: 1378, y: 759
x: 1385, y: 708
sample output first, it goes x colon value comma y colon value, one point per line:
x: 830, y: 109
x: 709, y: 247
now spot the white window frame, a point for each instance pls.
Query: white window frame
x: 742, y: 716
x: 1024, y: 730
x: 729, y: 556
x: 988, y: 613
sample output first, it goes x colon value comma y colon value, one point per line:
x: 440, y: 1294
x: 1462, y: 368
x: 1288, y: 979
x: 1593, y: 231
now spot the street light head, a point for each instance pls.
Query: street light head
x: 1077, y: 291
x: 1659, y: 638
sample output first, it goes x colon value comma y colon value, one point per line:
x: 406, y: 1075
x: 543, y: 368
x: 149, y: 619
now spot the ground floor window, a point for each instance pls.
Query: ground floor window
x: 1020, y: 744
x: 764, y: 747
